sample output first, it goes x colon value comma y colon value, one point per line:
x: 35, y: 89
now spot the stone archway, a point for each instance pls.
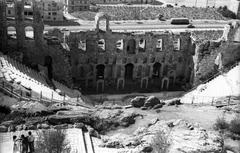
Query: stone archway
x: 129, y: 71
x: 157, y: 70
x: 165, y: 83
x: 102, y: 16
x: 100, y: 71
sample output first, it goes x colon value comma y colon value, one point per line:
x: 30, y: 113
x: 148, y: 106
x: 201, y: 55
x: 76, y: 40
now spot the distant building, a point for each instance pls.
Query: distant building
x: 52, y: 10
x: 77, y: 5
x: 10, y: 11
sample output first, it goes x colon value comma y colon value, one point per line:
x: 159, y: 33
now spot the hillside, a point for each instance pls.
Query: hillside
x: 226, y: 84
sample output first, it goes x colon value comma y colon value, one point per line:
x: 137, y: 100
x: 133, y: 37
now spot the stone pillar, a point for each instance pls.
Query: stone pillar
x: 3, y: 26
x: 38, y: 25
x: 19, y: 19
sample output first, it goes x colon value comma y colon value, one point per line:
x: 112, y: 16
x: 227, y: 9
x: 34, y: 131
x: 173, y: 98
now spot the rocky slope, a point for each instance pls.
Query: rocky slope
x: 179, y: 135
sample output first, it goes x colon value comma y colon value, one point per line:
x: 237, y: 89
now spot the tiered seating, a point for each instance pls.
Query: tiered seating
x: 71, y: 93
x: 14, y: 72
x: 125, y: 12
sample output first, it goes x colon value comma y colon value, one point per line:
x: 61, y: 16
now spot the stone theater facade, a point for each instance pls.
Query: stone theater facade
x: 103, y: 60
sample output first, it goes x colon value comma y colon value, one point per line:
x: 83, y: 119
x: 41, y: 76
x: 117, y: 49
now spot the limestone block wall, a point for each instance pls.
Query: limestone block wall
x: 207, y: 51
x: 173, y: 62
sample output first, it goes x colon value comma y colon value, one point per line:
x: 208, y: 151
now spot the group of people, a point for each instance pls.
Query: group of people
x: 24, y: 144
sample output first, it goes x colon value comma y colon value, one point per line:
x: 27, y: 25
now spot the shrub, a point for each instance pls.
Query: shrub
x: 52, y: 141
x: 160, y: 143
x: 221, y: 124
x: 5, y: 109
x: 235, y: 125
x: 226, y: 12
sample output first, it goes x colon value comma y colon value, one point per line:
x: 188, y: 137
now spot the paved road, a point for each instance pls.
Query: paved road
x: 141, y: 26
x: 144, y: 26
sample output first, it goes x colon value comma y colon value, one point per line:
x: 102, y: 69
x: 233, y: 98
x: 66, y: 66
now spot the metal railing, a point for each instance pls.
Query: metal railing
x: 211, y: 100
x: 28, y: 95
x: 214, y: 76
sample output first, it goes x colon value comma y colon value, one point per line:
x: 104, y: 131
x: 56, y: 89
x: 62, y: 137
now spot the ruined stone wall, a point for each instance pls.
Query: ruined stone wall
x: 207, y: 51
x: 3, y: 25
x: 174, y: 63
x: 34, y: 52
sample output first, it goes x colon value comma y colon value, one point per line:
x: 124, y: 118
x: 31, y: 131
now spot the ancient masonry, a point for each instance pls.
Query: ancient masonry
x: 20, y: 23
x: 102, y: 59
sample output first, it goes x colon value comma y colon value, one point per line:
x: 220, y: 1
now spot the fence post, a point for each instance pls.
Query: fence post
x: 212, y: 101
x: 64, y: 97
x: 52, y: 97
x: 229, y: 98
x: 41, y: 96
x: 30, y: 93
x: 193, y: 99
x: 21, y: 94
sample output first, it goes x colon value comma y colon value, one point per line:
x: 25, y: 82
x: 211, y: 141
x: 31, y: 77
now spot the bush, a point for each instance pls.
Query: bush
x: 221, y: 124
x: 52, y: 141
x: 160, y: 143
x: 226, y: 12
x: 235, y: 125
x: 5, y: 109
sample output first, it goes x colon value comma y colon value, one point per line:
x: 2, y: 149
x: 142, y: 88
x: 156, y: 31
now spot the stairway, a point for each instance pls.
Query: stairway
x: 80, y: 141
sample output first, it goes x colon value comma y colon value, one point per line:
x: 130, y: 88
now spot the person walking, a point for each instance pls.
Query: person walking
x: 30, y: 142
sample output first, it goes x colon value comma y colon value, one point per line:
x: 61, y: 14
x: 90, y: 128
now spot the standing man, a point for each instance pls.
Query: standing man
x: 30, y: 142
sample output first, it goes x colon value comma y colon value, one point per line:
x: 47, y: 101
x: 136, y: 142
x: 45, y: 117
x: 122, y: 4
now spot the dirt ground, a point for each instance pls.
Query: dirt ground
x: 205, y: 116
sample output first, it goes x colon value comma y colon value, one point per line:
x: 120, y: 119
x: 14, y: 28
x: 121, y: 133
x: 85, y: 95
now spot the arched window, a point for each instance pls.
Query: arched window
x: 142, y: 45
x: 29, y: 34
x: 11, y: 31
x: 156, y: 70
x: 131, y: 46
x: 100, y: 71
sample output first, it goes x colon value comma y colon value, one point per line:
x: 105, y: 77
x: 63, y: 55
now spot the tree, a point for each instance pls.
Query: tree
x: 52, y: 141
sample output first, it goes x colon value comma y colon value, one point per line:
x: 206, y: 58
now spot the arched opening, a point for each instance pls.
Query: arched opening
x: 29, y: 34
x: 165, y: 70
x: 119, y: 71
x: 11, y: 32
x: 129, y: 71
x: 139, y: 71
x: 104, y: 25
x: 165, y: 83
x: 131, y: 46
x: 48, y: 63
x: 156, y: 70
x: 100, y: 71
x: 142, y: 45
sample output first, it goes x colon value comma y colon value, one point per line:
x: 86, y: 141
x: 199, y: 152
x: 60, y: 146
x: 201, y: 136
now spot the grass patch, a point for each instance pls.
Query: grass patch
x: 160, y: 143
